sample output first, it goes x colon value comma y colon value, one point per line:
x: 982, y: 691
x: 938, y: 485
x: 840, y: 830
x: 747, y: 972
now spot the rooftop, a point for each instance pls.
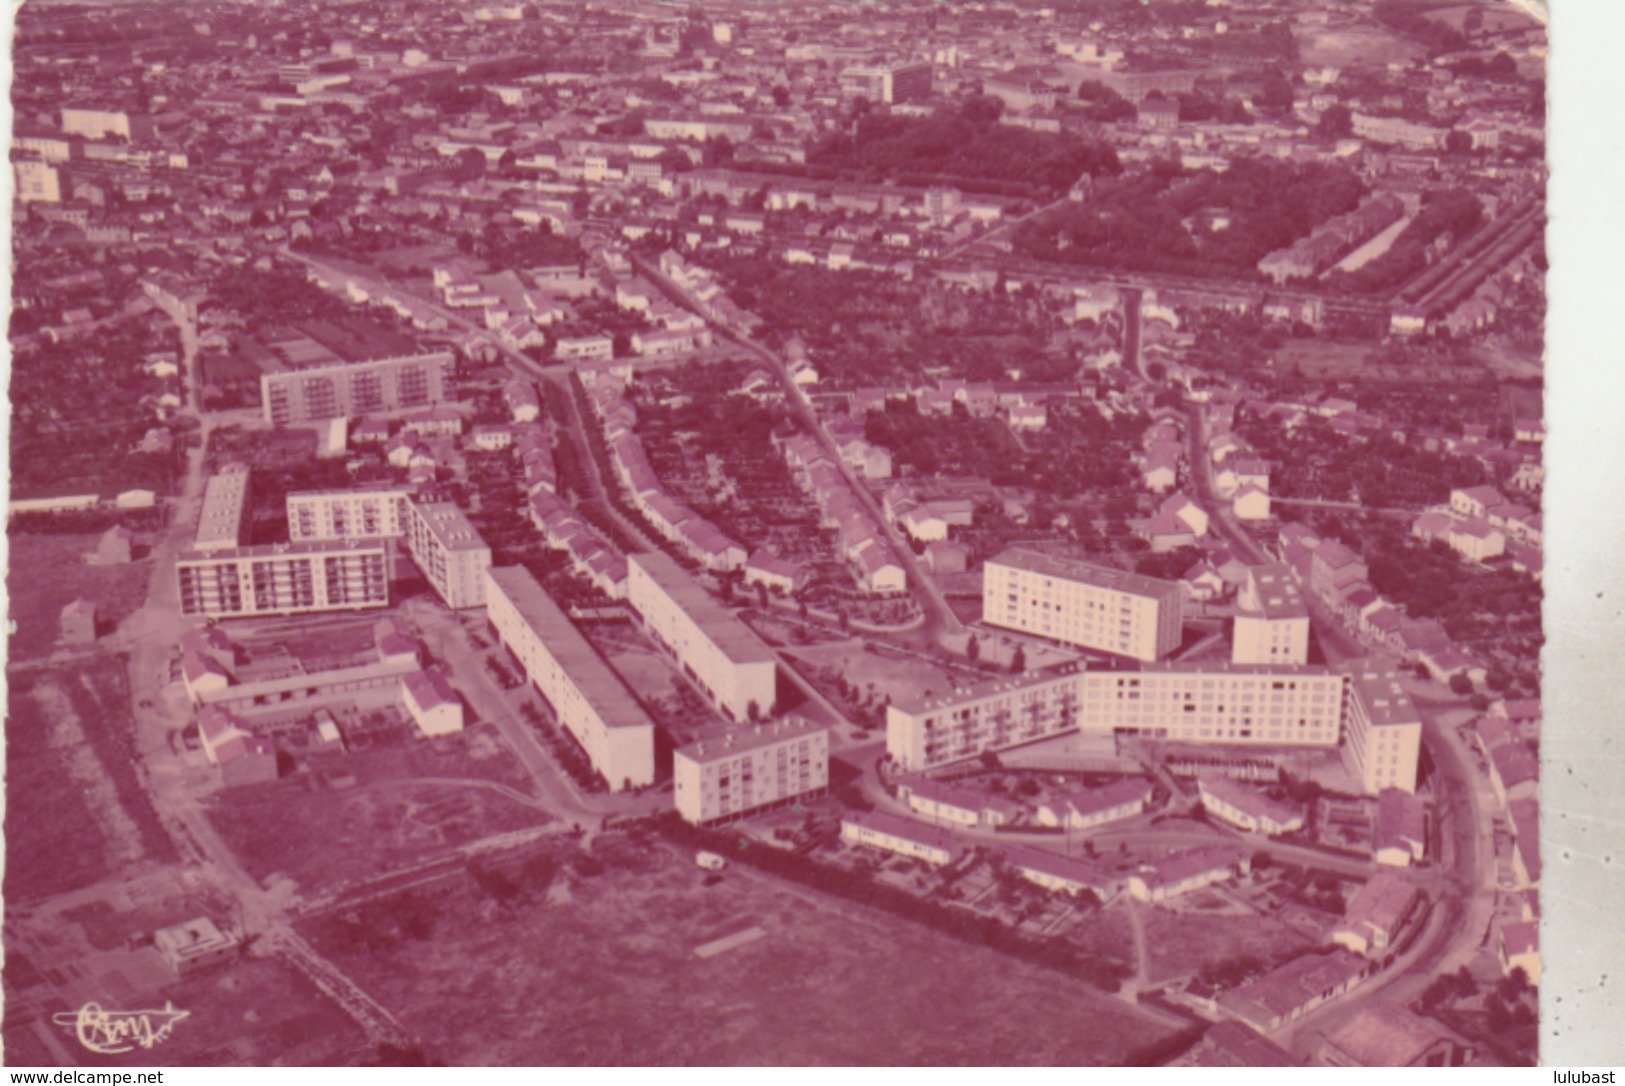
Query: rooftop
x: 601, y: 687
x: 287, y: 550
x: 733, y: 638
x: 1071, y: 569
x: 718, y: 744
x: 1375, y: 683
x: 224, y: 498
x: 1009, y: 684
x: 450, y: 526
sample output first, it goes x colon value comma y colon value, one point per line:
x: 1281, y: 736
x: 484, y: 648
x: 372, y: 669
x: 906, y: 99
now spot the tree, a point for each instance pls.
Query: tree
x: 990, y: 761
x: 1460, y: 684
x: 1336, y: 123
x: 761, y: 594
x: 753, y: 712
x: 781, y: 95
x: 973, y: 649
x: 1018, y: 660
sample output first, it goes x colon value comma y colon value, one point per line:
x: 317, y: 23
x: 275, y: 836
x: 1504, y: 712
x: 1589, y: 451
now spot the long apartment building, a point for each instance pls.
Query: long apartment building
x: 1242, y: 704
x: 588, y: 698
x: 1383, y: 730
x: 1076, y: 603
x: 291, y: 397
x: 449, y: 552
x: 348, y: 514
x: 283, y: 578
x: 923, y: 733
x: 223, y: 521
x: 1272, y: 621
x: 738, y: 771
x: 1359, y: 704
x: 717, y: 651
x: 447, y: 549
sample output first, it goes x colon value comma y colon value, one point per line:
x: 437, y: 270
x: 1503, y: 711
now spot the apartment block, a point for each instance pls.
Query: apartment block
x: 923, y: 733
x: 224, y: 520
x: 1243, y: 704
x: 1092, y: 607
x: 348, y: 514
x: 292, y: 397
x: 588, y: 698
x: 1383, y: 731
x: 284, y: 578
x: 739, y: 771
x: 1272, y: 621
x: 449, y: 552
x: 718, y: 652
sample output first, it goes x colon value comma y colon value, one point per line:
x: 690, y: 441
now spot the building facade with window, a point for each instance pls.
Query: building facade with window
x: 1092, y: 607
x: 283, y: 578
x: 923, y: 733
x: 348, y: 514
x: 739, y: 771
x: 292, y: 397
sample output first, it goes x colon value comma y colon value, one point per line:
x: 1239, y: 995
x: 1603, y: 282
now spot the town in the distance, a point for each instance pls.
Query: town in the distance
x: 762, y: 533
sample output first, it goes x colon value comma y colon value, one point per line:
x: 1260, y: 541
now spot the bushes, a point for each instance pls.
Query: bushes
x: 1059, y: 954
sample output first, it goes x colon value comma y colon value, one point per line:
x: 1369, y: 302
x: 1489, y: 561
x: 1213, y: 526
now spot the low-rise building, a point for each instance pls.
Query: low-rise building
x: 736, y: 772
x: 1385, y: 1034
x: 1246, y: 808
x: 1184, y: 872
x: 904, y: 836
x: 195, y: 946
x: 431, y: 702
x: 1088, y: 808
x: 1376, y: 915
x: 1287, y: 993
x: 1066, y: 874
x: 1400, y: 835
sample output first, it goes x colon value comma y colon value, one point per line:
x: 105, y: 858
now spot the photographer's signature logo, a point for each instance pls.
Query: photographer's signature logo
x: 111, y: 1032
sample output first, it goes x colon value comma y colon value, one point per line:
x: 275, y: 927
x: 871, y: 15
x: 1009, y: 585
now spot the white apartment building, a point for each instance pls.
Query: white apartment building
x: 284, y: 578
x: 348, y: 514
x: 1383, y: 734
x: 1090, y: 606
x: 1272, y: 621
x: 449, y: 552
x: 1241, y: 704
x: 588, y: 698
x: 717, y: 651
x: 924, y: 733
x: 742, y: 770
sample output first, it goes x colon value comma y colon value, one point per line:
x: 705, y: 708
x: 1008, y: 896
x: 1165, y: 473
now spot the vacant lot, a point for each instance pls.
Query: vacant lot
x: 48, y: 572
x: 1354, y: 45
x: 1180, y: 944
x: 884, y: 673
x: 75, y: 812
x: 410, y: 803
x: 600, y: 969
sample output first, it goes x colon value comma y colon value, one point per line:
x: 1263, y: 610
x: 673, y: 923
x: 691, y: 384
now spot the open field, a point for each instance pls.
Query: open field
x: 880, y: 672
x: 75, y: 812
x: 601, y: 968
x: 48, y: 572
x: 1346, y: 46
x: 392, y: 818
x: 1181, y: 943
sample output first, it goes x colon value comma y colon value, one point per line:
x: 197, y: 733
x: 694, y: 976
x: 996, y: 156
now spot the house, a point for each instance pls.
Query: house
x: 777, y: 573
x: 947, y: 803
x: 1252, y: 502
x: 945, y: 557
x: 1376, y: 915
x: 904, y: 836
x: 114, y: 548
x: 1184, y: 872
x: 1187, y: 511
x: 245, y: 759
x: 1287, y: 993
x: 1230, y: 1043
x: 78, y: 622
x: 195, y: 946
x: 1247, y: 808
x: 1092, y: 807
x: 432, y: 703
x: 880, y: 569
x: 1399, y: 838
x: 1064, y: 874
x: 1385, y: 1034
x: 1514, y: 772
x: 1475, y: 501
x: 1519, y: 948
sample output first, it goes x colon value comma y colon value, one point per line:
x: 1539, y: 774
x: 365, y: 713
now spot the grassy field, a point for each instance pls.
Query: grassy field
x: 598, y: 969
x: 321, y: 839
x: 48, y: 572
x: 1182, y: 943
x: 75, y: 812
x: 1341, y: 48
